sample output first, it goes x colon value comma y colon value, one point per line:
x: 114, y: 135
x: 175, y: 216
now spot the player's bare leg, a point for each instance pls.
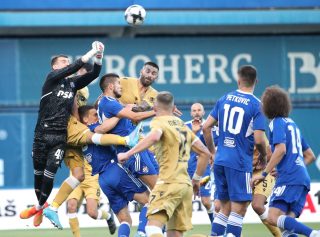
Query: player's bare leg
x: 149, y: 180
x: 258, y: 205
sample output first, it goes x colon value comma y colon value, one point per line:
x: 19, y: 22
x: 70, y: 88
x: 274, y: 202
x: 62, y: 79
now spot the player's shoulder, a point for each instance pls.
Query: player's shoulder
x: 279, y: 121
x: 128, y: 79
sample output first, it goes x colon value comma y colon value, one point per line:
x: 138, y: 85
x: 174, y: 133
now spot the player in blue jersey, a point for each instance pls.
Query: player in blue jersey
x: 140, y: 164
x: 116, y: 182
x: 293, y: 181
x: 241, y: 126
x: 197, y: 112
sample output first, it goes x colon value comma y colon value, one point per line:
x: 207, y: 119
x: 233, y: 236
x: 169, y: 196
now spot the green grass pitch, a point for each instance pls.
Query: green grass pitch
x: 249, y: 230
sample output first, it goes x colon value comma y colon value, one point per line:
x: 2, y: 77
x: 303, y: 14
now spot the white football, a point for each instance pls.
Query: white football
x: 135, y: 15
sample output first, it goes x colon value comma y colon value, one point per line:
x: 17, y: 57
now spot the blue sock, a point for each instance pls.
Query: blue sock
x: 234, y: 224
x: 287, y: 233
x: 143, y: 219
x: 124, y: 229
x: 290, y: 224
x: 211, y: 217
x: 219, y: 224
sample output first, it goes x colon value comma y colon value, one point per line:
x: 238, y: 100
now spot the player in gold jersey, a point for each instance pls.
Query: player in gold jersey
x: 171, y: 199
x: 139, y: 91
x: 263, y: 190
x: 88, y: 189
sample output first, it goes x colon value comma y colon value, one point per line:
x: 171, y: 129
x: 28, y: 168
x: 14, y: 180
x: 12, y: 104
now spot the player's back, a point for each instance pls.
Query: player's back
x: 131, y: 93
x: 291, y: 169
x: 238, y: 114
x: 173, y: 149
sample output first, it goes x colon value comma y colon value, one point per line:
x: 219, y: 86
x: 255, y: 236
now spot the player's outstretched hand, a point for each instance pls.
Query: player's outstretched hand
x: 196, y: 188
x: 257, y: 179
x: 97, y: 49
x: 122, y: 157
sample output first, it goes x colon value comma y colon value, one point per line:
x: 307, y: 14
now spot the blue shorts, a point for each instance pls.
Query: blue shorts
x: 119, y: 186
x: 142, y: 163
x: 231, y: 184
x: 289, y: 198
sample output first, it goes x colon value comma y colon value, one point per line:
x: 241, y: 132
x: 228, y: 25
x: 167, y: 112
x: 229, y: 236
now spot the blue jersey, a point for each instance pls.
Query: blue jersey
x: 110, y: 107
x: 192, y: 162
x: 238, y: 114
x: 99, y: 157
x: 291, y: 169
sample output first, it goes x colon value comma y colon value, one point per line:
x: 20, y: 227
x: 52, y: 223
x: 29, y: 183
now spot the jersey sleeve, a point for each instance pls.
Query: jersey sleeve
x: 156, y: 125
x: 259, y: 119
x: 109, y: 108
x: 279, y: 132
x: 304, y: 144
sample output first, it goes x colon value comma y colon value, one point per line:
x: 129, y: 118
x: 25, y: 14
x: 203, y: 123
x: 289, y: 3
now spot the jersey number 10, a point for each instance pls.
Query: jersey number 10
x: 234, y: 127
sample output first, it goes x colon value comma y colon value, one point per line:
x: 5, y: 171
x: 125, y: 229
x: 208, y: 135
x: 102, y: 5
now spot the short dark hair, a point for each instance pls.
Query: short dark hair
x: 84, y: 110
x: 88, y: 67
x: 55, y: 58
x: 152, y: 64
x: 275, y: 102
x: 107, y: 79
x: 248, y: 75
x: 165, y: 98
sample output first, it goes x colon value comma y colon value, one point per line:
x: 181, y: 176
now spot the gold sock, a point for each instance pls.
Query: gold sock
x: 111, y: 139
x: 74, y: 226
x: 104, y: 215
x: 64, y: 191
x: 156, y: 235
x: 273, y: 229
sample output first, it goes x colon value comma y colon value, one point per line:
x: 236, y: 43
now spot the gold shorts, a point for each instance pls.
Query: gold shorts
x: 265, y: 187
x: 89, y: 188
x: 77, y: 133
x: 73, y: 158
x: 176, y: 200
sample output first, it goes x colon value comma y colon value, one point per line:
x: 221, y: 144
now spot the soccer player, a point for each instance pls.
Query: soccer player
x: 262, y: 190
x: 116, y: 182
x: 197, y: 112
x: 140, y: 164
x: 293, y: 181
x: 241, y: 125
x: 50, y: 135
x: 171, y: 199
x: 89, y: 188
x: 139, y: 91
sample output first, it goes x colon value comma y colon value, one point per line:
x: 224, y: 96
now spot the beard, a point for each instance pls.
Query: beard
x: 117, y: 94
x: 145, y: 81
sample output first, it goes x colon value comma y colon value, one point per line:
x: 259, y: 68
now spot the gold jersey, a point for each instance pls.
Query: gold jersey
x: 131, y: 93
x: 256, y: 153
x: 173, y: 149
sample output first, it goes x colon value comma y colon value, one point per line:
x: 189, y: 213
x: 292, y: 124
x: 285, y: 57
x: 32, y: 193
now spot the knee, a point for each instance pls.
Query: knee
x: 72, y: 206
x: 206, y: 203
x: 272, y: 220
x: 79, y: 176
x: 92, y: 213
x: 258, y: 208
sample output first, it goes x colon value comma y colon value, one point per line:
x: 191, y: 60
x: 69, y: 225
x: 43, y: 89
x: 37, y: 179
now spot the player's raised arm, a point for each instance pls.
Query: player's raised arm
x: 135, y: 116
x: 107, y: 125
x: 88, y: 77
x: 148, y: 141
x: 62, y: 68
x: 207, y: 133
